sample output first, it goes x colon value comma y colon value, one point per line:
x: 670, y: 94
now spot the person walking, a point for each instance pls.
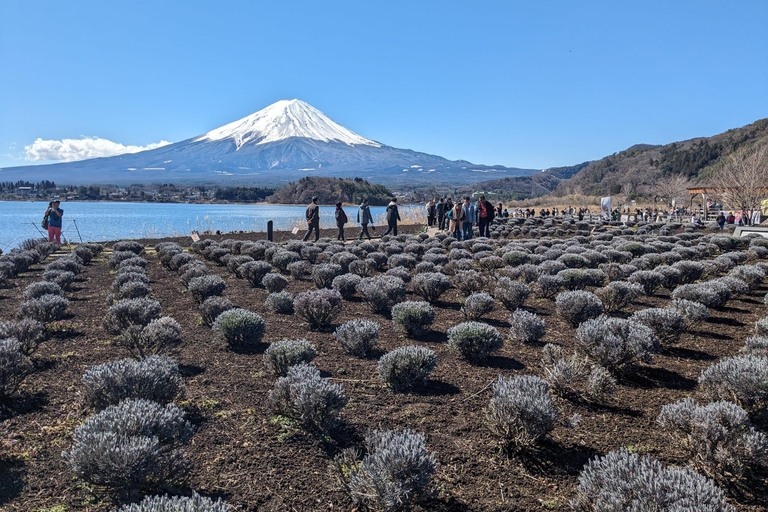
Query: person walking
x: 440, y: 207
x: 54, y: 215
x: 313, y: 219
x: 469, y: 219
x: 341, y: 219
x: 457, y: 220
x: 720, y: 220
x: 484, y: 211
x: 364, y: 218
x: 392, y: 217
x: 431, y: 211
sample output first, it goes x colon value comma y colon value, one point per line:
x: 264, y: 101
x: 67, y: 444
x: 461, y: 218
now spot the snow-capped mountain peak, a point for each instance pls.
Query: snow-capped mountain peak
x: 282, y: 120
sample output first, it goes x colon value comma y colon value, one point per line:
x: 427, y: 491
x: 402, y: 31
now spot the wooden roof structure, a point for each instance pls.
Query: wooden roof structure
x: 714, y: 190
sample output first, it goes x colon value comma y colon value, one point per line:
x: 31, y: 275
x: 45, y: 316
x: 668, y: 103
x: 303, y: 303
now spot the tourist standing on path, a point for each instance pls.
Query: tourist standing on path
x: 720, y: 220
x: 484, y: 211
x: 392, y: 217
x: 448, y: 206
x: 364, y: 218
x: 469, y: 219
x: 431, y: 211
x: 440, y: 207
x: 341, y: 219
x: 457, y: 219
x: 313, y: 219
x: 54, y: 215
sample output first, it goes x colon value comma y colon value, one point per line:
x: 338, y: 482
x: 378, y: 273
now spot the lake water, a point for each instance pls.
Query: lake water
x: 114, y: 221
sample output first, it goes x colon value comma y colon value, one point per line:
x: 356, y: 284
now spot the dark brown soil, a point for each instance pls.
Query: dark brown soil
x: 241, y: 454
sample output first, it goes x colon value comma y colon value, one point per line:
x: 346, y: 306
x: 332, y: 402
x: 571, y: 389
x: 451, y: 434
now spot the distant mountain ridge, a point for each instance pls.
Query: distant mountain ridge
x: 283, y: 142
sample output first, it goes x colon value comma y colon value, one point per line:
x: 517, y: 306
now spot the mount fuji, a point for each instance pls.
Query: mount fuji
x: 285, y: 141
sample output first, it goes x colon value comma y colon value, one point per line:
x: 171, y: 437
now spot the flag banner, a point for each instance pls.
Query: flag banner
x: 605, y: 208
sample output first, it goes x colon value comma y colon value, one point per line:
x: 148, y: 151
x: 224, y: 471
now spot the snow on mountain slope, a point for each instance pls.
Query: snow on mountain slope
x: 282, y: 120
x: 283, y: 142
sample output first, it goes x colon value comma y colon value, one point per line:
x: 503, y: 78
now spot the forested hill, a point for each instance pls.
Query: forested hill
x: 637, y: 169
x: 330, y: 191
x: 521, y: 187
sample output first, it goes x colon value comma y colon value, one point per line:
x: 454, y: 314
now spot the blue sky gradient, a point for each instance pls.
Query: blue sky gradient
x: 523, y: 84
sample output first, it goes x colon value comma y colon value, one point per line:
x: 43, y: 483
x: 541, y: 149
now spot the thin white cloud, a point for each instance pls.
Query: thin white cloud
x: 70, y: 150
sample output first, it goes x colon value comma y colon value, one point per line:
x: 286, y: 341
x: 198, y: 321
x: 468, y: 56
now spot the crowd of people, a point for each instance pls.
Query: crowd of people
x: 460, y: 219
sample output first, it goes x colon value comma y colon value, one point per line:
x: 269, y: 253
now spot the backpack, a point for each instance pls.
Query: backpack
x: 44, y: 224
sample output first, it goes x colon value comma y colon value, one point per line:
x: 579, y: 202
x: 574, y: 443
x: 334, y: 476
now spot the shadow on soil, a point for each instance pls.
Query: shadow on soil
x: 437, y: 388
x: 502, y: 363
x: 434, y: 337
x: 687, y: 353
x: 649, y: 377
x: 11, y: 480
x: 726, y: 321
x: 448, y: 504
x: 190, y: 370
x: 598, y: 407
x: 22, y: 403
x: 552, y: 457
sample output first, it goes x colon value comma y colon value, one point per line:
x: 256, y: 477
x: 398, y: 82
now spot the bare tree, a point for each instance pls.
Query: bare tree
x: 742, y: 182
x: 628, y: 187
x: 672, y: 189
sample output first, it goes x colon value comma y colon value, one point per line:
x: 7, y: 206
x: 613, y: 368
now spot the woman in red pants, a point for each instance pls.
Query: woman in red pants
x: 54, y: 214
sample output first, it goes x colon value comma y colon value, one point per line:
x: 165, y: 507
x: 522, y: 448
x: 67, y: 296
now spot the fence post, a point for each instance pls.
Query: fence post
x: 269, y: 230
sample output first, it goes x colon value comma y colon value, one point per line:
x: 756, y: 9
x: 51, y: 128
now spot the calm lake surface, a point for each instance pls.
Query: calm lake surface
x: 114, y: 221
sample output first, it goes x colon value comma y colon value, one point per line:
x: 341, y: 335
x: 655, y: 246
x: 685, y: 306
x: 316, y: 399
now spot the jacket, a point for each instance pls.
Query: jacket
x: 341, y: 217
x: 364, y: 214
x: 392, y: 214
x: 469, y: 213
x: 488, y: 209
x: 457, y: 217
x: 313, y: 213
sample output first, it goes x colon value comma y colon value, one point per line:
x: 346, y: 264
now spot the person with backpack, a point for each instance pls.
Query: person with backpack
x: 469, y: 219
x: 341, y: 219
x: 484, y: 212
x: 392, y: 217
x: 53, y: 217
x: 364, y: 218
x: 313, y: 219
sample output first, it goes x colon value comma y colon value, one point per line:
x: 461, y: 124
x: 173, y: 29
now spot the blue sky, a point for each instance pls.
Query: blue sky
x: 525, y: 84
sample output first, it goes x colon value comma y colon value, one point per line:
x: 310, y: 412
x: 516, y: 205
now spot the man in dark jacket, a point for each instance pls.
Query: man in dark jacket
x: 440, y: 207
x: 720, y: 220
x: 392, y: 217
x: 364, y: 218
x: 313, y: 220
x: 484, y: 213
